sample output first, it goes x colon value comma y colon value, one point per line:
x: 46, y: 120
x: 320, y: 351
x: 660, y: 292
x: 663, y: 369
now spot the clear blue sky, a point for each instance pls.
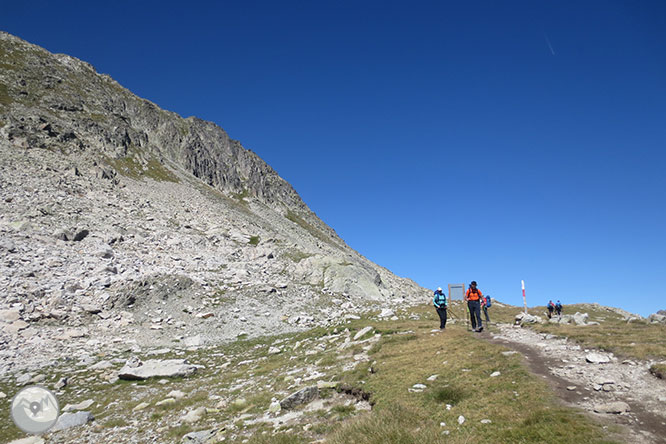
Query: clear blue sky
x: 494, y: 141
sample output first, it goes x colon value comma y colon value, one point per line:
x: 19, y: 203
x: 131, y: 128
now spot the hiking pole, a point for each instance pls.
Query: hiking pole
x: 469, y: 313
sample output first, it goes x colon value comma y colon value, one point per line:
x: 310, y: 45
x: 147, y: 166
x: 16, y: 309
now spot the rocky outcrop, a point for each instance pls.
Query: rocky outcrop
x: 120, y: 221
x: 657, y: 318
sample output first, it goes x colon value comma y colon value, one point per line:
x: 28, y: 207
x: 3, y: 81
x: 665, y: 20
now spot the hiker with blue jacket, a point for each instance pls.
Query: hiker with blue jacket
x: 485, y: 304
x: 439, y: 301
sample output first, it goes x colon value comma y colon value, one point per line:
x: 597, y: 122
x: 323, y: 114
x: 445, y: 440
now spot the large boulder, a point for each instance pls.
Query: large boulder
x: 526, y: 318
x: 302, y: 396
x: 657, y: 318
x: 580, y: 318
x: 68, y: 420
x: 153, y: 368
x: 340, y: 277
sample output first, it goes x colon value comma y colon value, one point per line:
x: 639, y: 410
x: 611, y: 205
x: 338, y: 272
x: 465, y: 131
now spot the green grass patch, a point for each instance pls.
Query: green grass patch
x: 116, y: 422
x: 298, y: 220
x: 447, y: 395
x: 254, y: 240
x: 5, y: 99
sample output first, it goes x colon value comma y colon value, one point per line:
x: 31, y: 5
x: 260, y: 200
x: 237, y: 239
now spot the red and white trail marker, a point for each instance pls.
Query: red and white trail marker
x: 522, y: 284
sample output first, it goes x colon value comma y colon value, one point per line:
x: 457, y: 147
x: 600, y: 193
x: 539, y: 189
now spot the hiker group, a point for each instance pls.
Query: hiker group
x: 557, y: 307
x: 476, y: 302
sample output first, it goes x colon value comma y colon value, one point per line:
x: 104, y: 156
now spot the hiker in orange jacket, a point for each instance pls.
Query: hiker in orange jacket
x: 473, y: 297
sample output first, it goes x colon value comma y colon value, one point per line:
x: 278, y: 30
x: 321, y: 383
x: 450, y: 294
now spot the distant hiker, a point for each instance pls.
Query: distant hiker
x: 439, y: 301
x: 551, y: 307
x: 485, y: 304
x: 473, y: 296
x: 558, y: 308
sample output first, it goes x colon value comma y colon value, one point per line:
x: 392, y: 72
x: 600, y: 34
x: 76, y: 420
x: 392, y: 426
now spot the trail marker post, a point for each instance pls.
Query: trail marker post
x: 522, y: 284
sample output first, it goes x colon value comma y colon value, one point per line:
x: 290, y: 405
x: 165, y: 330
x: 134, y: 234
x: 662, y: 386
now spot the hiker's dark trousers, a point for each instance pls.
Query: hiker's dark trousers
x: 475, y: 314
x: 485, y: 312
x: 442, y: 316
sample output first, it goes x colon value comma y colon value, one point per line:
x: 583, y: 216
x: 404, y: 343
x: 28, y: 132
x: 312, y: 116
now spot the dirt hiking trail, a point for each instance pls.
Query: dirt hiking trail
x: 594, y: 381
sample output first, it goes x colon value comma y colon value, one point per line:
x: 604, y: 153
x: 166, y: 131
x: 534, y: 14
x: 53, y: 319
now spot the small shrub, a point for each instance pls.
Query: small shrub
x: 659, y: 370
x: 447, y: 395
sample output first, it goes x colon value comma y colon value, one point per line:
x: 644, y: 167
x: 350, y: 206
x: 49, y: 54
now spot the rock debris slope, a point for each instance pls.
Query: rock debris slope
x: 122, y: 223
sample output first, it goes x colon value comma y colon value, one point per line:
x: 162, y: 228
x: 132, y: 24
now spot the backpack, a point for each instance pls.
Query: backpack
x: 488, y: 303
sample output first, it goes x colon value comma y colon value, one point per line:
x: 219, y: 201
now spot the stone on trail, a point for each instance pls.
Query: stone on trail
x: 362, y: 332
x: 486, y: 421
x: 495, y: 374
x: 597, y: 358
x: 571, y: 388
x: 302, y: 396
x: 522, y: 318
x: 616, y: 407
x: 274, y: 350
x: 68, y: 420
x: 432, y: 378
x: 461, y: 419
x: 157, y: 368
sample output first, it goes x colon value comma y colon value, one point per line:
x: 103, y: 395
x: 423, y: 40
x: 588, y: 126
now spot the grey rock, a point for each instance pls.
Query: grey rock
x: 201, y: 437
x: 8, y: 245
x: 193, y: 341
x: 29, y: 440
x: 657, y: 318
x: 194, y: 415
x: 69, y: 420
x: 10, y: 315
x: 597, y: 358
x: 362, y: 332
x: 580, y: 318
x: 80, y: 406
x: 522, y: 318
x: 300, y: 397
x: 386, y: 313
x: 615, y: 407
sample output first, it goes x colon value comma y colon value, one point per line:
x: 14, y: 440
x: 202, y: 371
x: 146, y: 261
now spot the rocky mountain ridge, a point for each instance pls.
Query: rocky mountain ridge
x: 124, y: 225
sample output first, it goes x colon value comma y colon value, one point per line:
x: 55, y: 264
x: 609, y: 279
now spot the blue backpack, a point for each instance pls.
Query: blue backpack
x: 488, y: 303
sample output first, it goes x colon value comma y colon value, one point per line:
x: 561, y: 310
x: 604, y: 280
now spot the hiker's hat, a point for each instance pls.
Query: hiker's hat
x: 439, y: 288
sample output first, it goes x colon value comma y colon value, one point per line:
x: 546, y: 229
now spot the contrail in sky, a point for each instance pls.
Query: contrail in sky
x: 552, y: 51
